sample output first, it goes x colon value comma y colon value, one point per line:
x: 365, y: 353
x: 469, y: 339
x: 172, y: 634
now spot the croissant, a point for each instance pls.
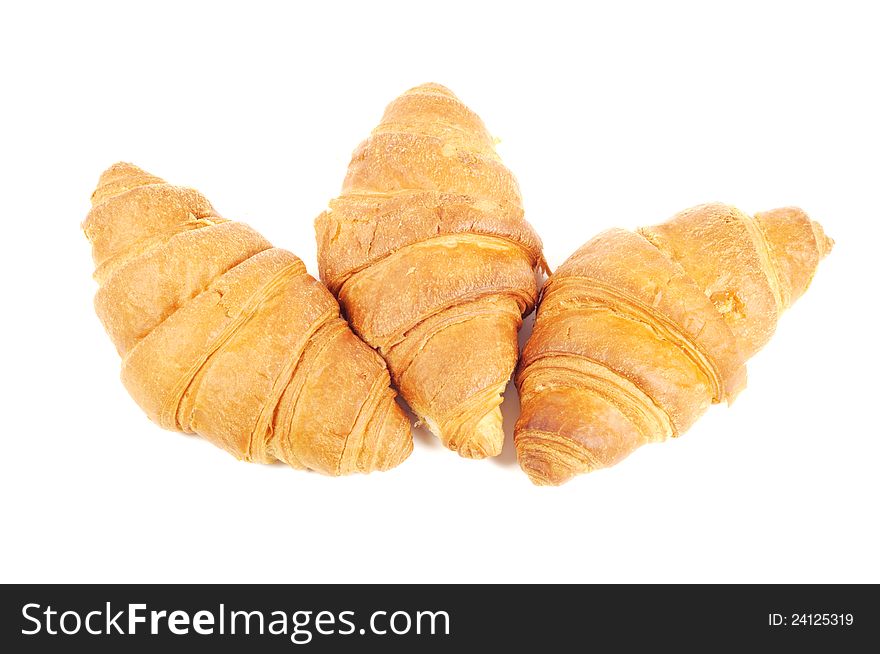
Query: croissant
x: 433, y: 263
x: 223, y: 335
x: 637, y: 333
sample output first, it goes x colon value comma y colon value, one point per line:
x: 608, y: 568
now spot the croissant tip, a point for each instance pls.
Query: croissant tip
x: 119, y: 171
x: 823, y: 242
x: 124, y: 168
x: 486, y: 439
x: 400, y: 454
x: 118, y: 177
x: 476, y: 451
x: 541, y: 470
x: 390, y: 443
x: 431, y: 87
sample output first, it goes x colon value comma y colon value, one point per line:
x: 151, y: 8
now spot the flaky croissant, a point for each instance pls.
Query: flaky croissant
x: 223, y: 335
x: 637, y: 333
x: 428, y: 253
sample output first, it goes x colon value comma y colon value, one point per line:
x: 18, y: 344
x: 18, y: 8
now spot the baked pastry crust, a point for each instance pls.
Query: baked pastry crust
x: 225, y: 336
x: 433, y: 263
x: 639, y: 332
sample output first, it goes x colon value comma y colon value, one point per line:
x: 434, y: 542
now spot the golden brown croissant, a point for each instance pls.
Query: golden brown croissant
x: 637, y: 333
x: 227, y: 337
x: 433, y: 263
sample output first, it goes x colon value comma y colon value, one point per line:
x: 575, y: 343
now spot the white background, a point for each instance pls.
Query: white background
x: 617, y: 114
